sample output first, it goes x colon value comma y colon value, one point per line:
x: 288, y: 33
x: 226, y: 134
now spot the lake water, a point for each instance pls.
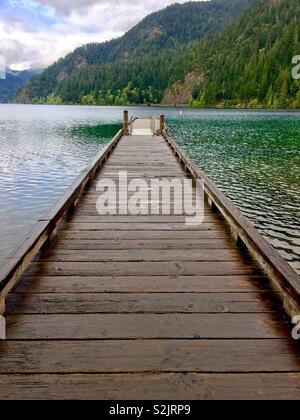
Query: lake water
x: 253, y: 156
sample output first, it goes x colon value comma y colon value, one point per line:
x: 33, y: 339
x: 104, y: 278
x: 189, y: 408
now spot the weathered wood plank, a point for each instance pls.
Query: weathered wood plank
x: 204, y: 356
x: 141, y: 226
x: 166, y: 244
x: 146, y: 326
x: 141, y: 303
x: 59, y: 255
x: 155, y: 386
x: 138, y: 173
x: 78, y: 217
x: 83, y: 210
x: 140, y: 268
x: 142, y: 284
x: 143, y: 234
x: 90, y: 209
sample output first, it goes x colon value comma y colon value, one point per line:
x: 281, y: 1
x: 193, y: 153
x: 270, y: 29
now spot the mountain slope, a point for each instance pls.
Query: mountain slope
x: 85, y: 70
x: 250, y: 63
x: 13, y: 82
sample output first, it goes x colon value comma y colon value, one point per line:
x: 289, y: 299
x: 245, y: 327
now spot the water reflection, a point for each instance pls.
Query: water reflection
x: 43, y: 149
x: 254, y: 157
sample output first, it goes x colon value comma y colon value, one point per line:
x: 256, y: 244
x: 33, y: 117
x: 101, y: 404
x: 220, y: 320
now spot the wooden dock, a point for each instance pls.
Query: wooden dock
x: 144, y: 306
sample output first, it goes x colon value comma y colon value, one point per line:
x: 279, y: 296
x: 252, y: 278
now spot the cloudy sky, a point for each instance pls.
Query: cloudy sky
x: 35, y: 33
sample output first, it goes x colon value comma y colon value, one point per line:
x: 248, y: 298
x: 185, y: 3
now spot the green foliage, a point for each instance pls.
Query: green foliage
x: 53, y: 99
x: 88, y: 100
x: 250, y: 63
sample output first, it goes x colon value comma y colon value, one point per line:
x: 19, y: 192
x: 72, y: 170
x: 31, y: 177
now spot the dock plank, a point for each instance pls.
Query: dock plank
x: 157, y: 386
x: 82, y: 255
x: 142, y: 284
x: 159, y: 303
x: 203, y: 356
x: 173, y: 268
x: 145, y: 326
x: 151, y: 244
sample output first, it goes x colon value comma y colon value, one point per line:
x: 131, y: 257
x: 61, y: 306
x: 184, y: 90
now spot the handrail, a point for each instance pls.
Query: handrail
x: 273, y: 264
x: 45, y: 229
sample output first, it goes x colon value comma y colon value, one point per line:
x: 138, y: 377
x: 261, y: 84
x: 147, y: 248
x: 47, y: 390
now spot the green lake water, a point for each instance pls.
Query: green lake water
x: 253, y: 156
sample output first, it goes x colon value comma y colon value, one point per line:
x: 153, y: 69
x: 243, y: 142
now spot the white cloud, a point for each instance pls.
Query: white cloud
x: 56, y: 27
x: 67, y: 6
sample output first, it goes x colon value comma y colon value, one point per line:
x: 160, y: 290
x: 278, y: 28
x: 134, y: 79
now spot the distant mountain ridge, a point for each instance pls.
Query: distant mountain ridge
x: 113, y: 71
x: 224, y: 53
x: 13, y: 82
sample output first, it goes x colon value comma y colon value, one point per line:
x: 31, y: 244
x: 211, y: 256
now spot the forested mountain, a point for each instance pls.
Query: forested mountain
x: 144, y: 56
x: 14, y: 80
x: 222, y: 53
x: 250, y: 63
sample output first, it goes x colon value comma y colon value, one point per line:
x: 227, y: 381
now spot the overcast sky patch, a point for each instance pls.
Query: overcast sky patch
x: 35, y: 33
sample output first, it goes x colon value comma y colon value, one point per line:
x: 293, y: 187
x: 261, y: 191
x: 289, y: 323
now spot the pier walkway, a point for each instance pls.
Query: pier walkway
x: 146, y: 306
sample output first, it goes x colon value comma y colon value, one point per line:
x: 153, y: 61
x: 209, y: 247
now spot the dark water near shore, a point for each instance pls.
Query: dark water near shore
x: 253, y: 156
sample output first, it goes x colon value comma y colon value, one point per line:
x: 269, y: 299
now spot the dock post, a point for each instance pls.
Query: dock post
x: 161, y: 125
x: 126, y: 124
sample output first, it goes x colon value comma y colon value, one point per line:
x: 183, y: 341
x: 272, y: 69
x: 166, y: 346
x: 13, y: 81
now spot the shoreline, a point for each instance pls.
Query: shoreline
x: 163, y: 106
